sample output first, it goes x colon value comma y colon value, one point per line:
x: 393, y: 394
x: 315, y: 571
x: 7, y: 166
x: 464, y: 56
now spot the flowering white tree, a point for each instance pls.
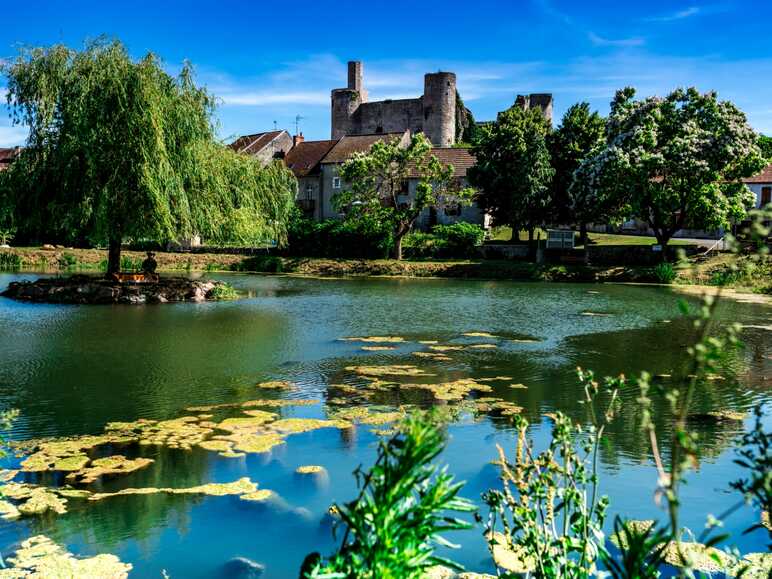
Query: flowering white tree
x: 675, y: 162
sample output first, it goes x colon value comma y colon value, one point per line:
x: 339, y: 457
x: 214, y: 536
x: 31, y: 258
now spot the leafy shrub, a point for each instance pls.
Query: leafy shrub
x: 266, y: 263
x: 461, y: 238
x: 664, y: 272
x: 365, y: 237
x: 445, y: 241
x: 67, y: 260
x: 130, y: 263
x: 422, y: 245
x: 391, y: 527
x: 10, y: 261
x: 223, y: 291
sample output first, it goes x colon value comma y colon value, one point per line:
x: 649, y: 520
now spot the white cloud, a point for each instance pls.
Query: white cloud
x: 268, y: 98
x: 679, y: 15
x: 621, y: 42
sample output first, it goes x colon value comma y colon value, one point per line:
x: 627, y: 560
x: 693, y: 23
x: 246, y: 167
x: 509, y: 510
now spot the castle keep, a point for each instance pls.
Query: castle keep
x: 433, y: 113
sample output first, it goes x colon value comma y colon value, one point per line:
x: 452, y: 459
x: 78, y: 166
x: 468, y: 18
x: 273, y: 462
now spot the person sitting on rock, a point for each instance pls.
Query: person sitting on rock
x: 150, y: 264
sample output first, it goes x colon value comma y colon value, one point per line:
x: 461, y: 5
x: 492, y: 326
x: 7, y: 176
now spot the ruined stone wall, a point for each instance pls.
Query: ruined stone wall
x: 390, y: 116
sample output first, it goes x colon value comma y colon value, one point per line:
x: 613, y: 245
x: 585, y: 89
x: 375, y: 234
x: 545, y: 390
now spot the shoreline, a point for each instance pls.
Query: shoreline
x: 72, y: 261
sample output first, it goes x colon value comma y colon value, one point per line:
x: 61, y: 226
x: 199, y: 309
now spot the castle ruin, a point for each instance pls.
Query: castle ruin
x: 438, y: 113
x: 433, y: 113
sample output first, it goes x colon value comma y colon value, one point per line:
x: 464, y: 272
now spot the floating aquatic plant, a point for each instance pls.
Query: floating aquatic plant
x: 39, y: 557
x: 239, y: 487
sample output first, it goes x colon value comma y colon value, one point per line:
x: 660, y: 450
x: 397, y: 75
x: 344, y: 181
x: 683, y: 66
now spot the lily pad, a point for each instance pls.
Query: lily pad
x: 510, y: 557
x: 259, y: 496
x: 375, y: 339
x: 239, y: 487
x: 479, y: 335
x: 392, y: 370
x: 296, y: 425
x: 39, y: 557
x: 700, y: 557
x: 109, y: 465
x: 310, y: 469
x: 276, y: 385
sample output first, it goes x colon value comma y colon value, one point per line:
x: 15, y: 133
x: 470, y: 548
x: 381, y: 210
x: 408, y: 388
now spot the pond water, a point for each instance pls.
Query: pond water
x: 70, y: 370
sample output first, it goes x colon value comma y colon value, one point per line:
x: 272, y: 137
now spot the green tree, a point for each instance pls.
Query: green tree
x: 120, y: 150
x: 676, y: 161
x: 513, y: 169
x: 765, y: 144
x: 580, y: 133
x: 377, y: 185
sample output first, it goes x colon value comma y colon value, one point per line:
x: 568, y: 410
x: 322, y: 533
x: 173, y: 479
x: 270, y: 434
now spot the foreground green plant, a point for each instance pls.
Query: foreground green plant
x: 402, y: 510
x: 10, y: 261
x: 549, y: 510
x: 224, y: 291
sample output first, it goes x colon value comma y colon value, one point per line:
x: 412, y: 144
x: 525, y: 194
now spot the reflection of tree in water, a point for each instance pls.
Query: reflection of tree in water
x: 125, y: 363
x: 140, y: 517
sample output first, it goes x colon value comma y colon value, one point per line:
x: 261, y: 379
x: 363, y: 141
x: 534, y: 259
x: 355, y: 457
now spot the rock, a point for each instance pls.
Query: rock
x: 242, y: 568
x: 83, y: 289
x: 47, y: 247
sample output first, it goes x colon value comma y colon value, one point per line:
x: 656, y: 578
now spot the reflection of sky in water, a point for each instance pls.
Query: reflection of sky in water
x: 71, y: 369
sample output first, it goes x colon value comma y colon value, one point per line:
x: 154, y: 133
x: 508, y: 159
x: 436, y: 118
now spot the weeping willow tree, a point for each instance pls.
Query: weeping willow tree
x: 120, y: 150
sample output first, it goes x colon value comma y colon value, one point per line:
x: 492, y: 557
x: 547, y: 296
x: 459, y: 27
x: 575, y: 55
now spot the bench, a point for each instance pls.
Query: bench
x: 133, y: 277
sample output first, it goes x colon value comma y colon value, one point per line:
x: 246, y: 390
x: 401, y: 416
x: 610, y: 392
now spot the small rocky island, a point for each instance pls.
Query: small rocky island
x: 83, y: 289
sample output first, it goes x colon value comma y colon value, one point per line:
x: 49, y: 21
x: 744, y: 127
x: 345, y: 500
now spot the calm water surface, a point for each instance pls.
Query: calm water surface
x: 70, y: 369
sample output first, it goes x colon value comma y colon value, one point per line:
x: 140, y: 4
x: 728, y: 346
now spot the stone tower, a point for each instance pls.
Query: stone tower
x: 346, y: 101
x: 542, y: 101
x: 439, y: 105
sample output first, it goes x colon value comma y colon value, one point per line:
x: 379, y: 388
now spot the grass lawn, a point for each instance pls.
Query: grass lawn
x: 505, y: 234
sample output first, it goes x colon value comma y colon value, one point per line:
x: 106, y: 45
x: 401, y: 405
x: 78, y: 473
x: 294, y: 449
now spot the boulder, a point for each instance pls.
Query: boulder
x: 242, y: 568
x: 83, y: 289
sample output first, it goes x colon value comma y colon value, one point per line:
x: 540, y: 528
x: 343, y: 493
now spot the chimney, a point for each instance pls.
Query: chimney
x: 297, y: 139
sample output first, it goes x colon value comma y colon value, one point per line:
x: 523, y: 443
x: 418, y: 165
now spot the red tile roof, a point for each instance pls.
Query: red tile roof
x: 349, y: 145
x: 253, y: 143
x: 461, y: 159
x: 764, y: 177
x: 305, y: 157
x: 7, y: 156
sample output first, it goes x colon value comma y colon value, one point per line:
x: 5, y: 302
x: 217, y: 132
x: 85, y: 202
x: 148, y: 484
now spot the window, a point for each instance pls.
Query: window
x: 766, y: 196
x: 453, y: 210
x: 336, y: 182
x: 404, y: 187
x: 309, y: 191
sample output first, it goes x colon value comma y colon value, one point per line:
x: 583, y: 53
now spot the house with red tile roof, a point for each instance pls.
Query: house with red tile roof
x: 316, y: 166
x: 264, y: 146
x: 7, y: 156
x: 761, y: 185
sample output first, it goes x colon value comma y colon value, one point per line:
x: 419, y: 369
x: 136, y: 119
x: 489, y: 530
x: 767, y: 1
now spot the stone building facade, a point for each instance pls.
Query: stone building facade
x: 433, y: 113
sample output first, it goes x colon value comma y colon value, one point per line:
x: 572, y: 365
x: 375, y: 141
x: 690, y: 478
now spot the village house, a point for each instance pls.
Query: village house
x: 7, y: 156
x: 761, y: 185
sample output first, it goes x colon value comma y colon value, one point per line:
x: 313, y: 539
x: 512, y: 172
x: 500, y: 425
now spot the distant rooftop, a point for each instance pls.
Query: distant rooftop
x: 349, y: 145
x: 255, y: 142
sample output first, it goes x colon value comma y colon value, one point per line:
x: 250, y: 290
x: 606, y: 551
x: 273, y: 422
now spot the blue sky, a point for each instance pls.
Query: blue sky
x: 270, y: 61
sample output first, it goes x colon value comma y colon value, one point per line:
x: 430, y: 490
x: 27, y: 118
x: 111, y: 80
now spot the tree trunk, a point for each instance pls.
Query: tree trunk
x: 583, y: 234
x: 515, y: 232
x: 398, y: 246
x: 113, y: 257
x: 530, y: 236
x: 662, y: 240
